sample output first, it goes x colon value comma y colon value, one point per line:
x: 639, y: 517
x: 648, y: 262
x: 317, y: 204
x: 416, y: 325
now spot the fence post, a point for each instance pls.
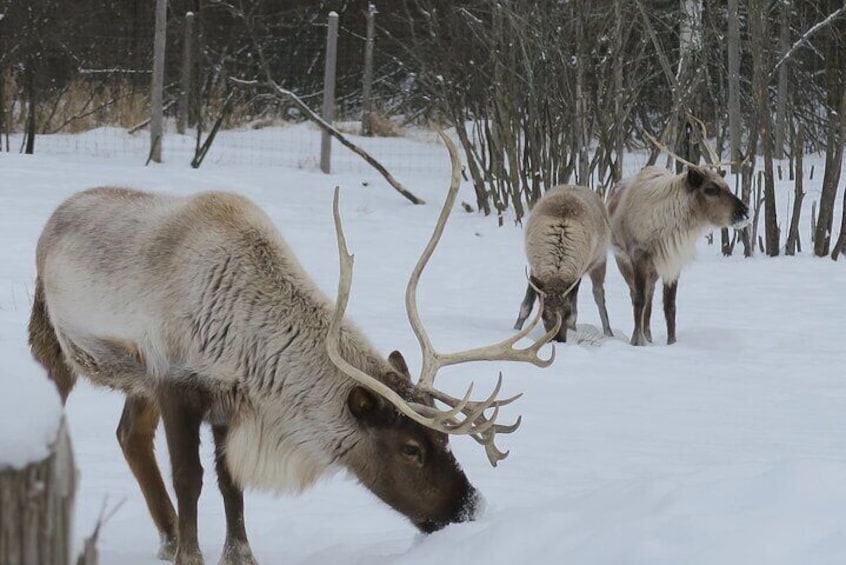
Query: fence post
x: 185, y: 82
x: 329, y: 91
x: 367, y: 87
x: 156, y: 126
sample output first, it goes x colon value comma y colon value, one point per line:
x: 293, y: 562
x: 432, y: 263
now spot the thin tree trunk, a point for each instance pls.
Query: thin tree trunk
x: 840, y: 246
x: 834, y: 147
x: 619, y: 128
x: 758, y: 33
x: 782, y: 93
x: 579, y: 102
x: 799, y: 195
x: 31, y: 102
x: 734, y: 84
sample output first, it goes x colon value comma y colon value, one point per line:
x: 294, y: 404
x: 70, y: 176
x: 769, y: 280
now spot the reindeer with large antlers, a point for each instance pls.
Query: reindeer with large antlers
x: 197, y: 310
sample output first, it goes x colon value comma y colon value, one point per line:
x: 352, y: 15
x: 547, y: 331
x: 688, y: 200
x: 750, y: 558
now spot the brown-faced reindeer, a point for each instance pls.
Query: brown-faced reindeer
x: 567, y: 235
x: 197, y: 310
x: 656, y: 219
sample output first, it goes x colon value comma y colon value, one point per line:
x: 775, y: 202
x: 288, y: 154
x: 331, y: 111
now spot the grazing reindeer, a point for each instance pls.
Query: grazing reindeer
x: 656, y: 218
x: 567, y: 235
x: 197, y: 310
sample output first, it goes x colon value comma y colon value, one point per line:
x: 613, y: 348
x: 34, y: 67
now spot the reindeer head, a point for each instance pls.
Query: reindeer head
x: 405, y: 457
x: 713, y: 202
x: 407, y: 465
x: 559, y: 305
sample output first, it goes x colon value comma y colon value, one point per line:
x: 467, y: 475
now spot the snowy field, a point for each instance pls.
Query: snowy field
x: 726, y: 448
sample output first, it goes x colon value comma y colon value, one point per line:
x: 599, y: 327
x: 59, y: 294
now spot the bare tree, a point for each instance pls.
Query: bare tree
x: 758, y: 31
x: 835, y: 134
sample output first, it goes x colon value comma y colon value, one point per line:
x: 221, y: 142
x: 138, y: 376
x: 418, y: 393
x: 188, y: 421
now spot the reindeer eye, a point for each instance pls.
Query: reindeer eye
x: 410, y: 450
x: 711, y: 190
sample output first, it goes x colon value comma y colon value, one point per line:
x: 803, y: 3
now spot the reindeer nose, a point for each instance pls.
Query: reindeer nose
x: 741, y: 216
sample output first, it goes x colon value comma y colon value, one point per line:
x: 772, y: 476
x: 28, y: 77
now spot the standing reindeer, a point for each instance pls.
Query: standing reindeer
x: 567, y: 235
x: 656, y: 219
x: 197, y: 310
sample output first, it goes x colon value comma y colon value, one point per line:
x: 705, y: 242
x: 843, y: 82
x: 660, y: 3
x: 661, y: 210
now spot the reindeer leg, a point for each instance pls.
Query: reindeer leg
x: 182, y: 413
x: 597, y: 278
x: 626, y: 266
x: 670, y: 309
x: 640, y: 300
x: 236, y: 549
x: 135, y: 434
x: 525, y: 307
x: 651, y: 279
x: 574, y: 305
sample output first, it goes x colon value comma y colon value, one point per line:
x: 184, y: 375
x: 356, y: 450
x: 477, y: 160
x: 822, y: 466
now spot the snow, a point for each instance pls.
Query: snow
x: 727, y: 447
x: 30, y: 409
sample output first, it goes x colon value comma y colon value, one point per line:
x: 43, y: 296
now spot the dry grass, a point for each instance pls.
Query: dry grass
x: 80, y: 106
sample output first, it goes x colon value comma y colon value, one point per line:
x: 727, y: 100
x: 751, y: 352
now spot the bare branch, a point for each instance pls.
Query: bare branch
x: 805, y: 37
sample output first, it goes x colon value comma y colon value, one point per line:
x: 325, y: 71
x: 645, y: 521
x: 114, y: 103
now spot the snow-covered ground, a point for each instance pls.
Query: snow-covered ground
x: 728, y: 447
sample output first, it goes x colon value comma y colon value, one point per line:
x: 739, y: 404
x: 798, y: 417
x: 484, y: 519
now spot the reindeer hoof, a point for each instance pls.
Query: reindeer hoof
x: 167, y: 549
x: 639, y: 339
x: 671, y: 340
x: 189, y: 559
x: 237, y: 553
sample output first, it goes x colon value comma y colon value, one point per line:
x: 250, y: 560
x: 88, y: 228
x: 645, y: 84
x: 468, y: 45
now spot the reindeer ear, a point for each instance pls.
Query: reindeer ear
x: 695, y: 178
x: 363, y: 404
x: 397, y: 361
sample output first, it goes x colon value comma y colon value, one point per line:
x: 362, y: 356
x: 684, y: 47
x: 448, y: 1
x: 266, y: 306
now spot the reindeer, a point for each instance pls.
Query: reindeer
x: 197, y: 310
x: 656, y: 219
x: 567, y: 235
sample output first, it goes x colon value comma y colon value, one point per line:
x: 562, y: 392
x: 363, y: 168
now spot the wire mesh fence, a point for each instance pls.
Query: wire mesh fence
x: 85, y: 87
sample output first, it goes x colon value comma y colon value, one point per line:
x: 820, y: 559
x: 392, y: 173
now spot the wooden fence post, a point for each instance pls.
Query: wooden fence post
x: 156, y: 118
x: 36, y: 507
x: 329, y: 91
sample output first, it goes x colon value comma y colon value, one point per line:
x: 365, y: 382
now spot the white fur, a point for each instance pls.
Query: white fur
x: 174, y: 279
x: 652, y: 212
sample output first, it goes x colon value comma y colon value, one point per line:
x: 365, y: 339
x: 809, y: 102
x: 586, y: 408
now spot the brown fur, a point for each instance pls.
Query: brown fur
x: 45, y: 347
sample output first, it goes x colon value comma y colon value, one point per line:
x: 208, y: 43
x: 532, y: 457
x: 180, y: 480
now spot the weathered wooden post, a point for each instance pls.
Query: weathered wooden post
x: 329, y: 91
x: 185, y: 82
x: 367, y: 86
x: 37, y: 473
x: 156, y: 118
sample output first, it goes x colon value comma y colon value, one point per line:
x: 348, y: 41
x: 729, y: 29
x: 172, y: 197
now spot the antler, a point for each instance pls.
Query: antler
x: 464, y: 416
x: 712, y: 159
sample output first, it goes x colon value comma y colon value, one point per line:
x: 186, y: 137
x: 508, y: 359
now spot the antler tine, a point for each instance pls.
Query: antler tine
x: 474, y: 423
x: 703, y: 136
x: 464, y: 416
x: 430, y: 356
x: 333, y: 337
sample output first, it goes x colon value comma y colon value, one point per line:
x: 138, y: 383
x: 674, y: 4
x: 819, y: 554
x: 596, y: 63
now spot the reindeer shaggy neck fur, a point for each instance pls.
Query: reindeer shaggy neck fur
x: 665, y: 224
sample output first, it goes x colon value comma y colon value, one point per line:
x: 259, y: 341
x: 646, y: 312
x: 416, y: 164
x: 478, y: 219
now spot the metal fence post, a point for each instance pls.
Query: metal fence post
x: 367, y: 86
x: 329, y: 91
x: 156, y: 119
x: 185, y: 86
